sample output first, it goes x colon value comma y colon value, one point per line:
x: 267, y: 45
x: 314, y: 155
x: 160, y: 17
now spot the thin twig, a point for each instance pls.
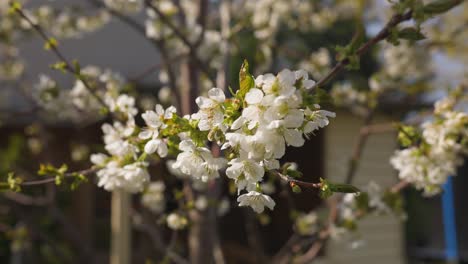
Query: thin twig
x: 292, y: 181
x: 383, y: 34
x: 68, y: 66
x: 86, y: 172
x: 180, y: 35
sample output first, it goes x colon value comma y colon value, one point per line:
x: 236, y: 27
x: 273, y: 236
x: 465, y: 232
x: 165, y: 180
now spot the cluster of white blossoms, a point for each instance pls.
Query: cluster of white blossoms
x: 269, y: 15
x: 122, y: 169
x: 254, y: 128
x: 444, y: 143
x: 318, y: 63
x: 198, y: 162
x: 54, y: 100
x: 80, y: 103
x: 11, y: 67
x: 68, y: 22
x: 106, y: 85
x: 153, y: 197
x: 345, y: 95
x: 125, y: 6
x: 208, y: 40
x: 404, y: 63
x: 272, y: 118
x: 64, y: 22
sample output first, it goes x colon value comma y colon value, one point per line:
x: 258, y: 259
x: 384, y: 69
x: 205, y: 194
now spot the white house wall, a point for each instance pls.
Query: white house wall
x: 382, y: 236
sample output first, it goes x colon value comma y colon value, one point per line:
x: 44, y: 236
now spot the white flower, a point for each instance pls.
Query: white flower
x: 303, y: 77
x: 307, y: 224
x: 201, y: 203
x: 256, y: 200
x: 99, y: 159
x: 155, y: 121
x: 124, y: 104
x: 175, y: 171
x: 223, y: 207
x: 283, y: 84
x: 165, y: 94
x: 131, y: 178
x: 153, y: 197
x: 375, y: 198
x: 198, y: 161
x: 211, y: 113
x: 267, y: 187
x: 317, y: 119
x: 245, y: 172
x: 292, y: 137
x: 176, y: 221
x: 156, y: 145
x: 115, y: 138
x: 254, y: 96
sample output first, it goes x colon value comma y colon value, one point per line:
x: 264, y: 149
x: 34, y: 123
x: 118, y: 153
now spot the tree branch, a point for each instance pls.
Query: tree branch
x: 68, y: 66
x: 86, y: 172
x: 180, y: 35
x: 383, y: 34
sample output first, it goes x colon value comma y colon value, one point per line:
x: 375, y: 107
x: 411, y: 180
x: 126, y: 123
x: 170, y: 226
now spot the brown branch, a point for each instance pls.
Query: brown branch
x: 27, y: 200
x: 201, y: 20
x: 358, y: 148
x: 383, y: 34
x: 86, y: 172
x: 292, y: 181
x: 399, y: 186
x: 179, y: 34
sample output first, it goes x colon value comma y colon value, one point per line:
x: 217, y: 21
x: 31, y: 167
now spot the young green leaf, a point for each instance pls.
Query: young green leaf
x: 440, y: 6
x: 246, y: 80
x: 411, y: 33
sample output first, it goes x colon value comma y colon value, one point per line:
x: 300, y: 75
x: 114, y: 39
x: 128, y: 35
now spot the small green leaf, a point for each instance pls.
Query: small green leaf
x: 61, y: 66
x: 408, y: 136
x: 296, y: 188
x: 354, y: 62
x: 14, y: 182
x: 349, y: 224
x: 327, y: 189
x: 51, y: 43
x: 78, y: 179
x: 246, y: 80
x: 357, y: 40
x: 77, y: 66
x: 394, y: 201
x: 411, y: 33
x: 231, y: 91
x: 440, y: 6
x: 362, y: 201
x: 294, y: 173
x: 14, y: 7
x: 343, y: 188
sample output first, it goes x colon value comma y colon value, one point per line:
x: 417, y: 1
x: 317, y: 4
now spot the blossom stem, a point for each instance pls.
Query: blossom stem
x: 68, y: 66
x: 293, y: 181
